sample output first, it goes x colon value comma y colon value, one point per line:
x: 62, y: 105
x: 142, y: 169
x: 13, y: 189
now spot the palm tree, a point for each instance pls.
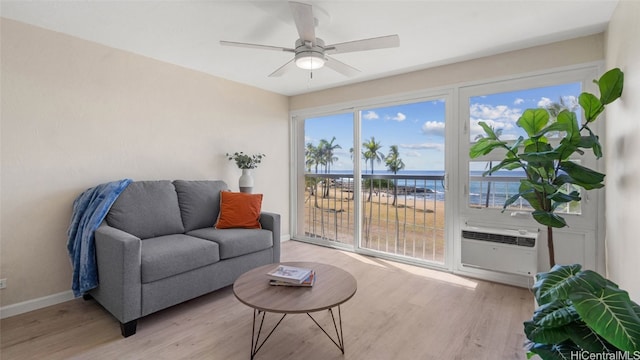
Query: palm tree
x: 309, y: 157
x: 498, y: 132
x: 313, y: 159
x: 372, y: 153
x: 328, y: 147
x: 394, y: 164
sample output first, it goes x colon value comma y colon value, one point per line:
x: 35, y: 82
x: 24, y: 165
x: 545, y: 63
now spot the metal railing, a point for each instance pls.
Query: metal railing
x: 401, y: 214
x: 493, y: 191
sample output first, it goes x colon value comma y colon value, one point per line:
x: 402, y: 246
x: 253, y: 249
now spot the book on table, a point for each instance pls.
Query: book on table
x: 290, y: 274
x: 308, y: 282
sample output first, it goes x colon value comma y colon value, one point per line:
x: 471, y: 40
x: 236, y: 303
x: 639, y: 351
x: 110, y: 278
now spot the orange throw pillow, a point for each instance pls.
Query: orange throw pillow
x: 239, y: 210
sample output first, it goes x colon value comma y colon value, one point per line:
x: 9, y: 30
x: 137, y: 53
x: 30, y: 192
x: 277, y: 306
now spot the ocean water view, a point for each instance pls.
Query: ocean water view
x: 504, y: 184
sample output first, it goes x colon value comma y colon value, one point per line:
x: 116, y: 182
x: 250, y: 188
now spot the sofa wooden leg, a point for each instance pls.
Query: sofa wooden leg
x: 128, y: 328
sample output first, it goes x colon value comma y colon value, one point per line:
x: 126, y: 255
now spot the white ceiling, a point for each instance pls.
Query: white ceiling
x: 432, y: 32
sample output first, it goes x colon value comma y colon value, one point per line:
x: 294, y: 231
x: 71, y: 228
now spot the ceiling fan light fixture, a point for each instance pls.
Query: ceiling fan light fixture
x: 309, y: 61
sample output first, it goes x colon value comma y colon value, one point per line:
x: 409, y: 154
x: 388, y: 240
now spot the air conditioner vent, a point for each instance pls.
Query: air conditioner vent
x: 499, y: 238
x: 504, y: 250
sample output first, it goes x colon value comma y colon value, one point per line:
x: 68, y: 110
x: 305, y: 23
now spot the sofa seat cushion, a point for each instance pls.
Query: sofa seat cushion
x: 236, y: 242
x: 169, y: 255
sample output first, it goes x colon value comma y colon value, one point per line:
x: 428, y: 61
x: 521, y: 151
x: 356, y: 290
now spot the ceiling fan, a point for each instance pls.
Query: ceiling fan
x: 311, y: 53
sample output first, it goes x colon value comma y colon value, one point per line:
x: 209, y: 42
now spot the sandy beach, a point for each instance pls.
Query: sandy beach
x: 413, y: 227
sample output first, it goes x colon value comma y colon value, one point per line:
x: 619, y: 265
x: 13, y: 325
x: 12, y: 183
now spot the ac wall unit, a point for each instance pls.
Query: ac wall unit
x: 509, y: 251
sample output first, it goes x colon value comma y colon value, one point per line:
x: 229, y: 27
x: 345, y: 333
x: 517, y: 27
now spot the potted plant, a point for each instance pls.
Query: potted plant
x: 246, y: 162
x: 549, y: 169
x: 582, y: 315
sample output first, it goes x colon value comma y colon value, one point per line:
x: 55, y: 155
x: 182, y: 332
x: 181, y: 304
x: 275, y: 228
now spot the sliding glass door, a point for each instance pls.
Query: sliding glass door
x: 373, y: 179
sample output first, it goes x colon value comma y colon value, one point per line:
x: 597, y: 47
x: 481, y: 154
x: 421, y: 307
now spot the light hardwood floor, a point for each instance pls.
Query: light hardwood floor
x: 398, y: 312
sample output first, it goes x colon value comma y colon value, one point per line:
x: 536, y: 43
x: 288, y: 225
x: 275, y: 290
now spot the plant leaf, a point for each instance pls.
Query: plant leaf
x: 587, y: 339
x: 528, y: 193
x: 488, y: 130
x: 610, y: 313
x: 485, y: 146
x: 549, y: 219
x: 564, y: 197
x: 510, y: 201
x: 555, y: 314
x: 583, y: 176
x: 508, y: 163
x: 561, y: 280
x: 533, y: 121
x: 556, y: 126
x: 540, y: 157
x: 570, y: 121
x: 562, y: 351
x: 597, y: 148
x: 591, y: 105
x: 544, y: 335
x: 611, y: 84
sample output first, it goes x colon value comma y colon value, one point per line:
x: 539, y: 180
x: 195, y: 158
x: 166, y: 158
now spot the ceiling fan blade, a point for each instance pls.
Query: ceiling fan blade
x: 283, y: 69
x: 305, y: 22
x: 255, y: 46
x: 342, y: 68
x: 381, y: 42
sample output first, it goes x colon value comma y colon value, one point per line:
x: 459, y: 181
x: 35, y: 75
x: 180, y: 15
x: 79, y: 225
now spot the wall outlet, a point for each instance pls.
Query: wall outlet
x: 3, y: 283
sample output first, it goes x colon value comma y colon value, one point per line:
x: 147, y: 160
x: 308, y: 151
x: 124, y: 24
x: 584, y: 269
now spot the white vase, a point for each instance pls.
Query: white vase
x: 246, y: 181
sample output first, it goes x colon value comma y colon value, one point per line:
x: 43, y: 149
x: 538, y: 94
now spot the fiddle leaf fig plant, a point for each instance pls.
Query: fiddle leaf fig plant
x: 581, y: 313
x: 552, y: 174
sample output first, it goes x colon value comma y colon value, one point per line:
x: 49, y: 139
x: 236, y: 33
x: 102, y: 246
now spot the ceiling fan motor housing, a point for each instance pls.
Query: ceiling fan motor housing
x: 309, y: 55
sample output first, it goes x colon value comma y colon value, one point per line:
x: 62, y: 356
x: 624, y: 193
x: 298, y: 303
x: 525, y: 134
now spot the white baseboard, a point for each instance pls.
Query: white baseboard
x: 35, y: 304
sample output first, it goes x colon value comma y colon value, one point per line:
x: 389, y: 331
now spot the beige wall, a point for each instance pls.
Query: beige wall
x: 559, y: 54
x: 76, y: 114
x: 623, y: 151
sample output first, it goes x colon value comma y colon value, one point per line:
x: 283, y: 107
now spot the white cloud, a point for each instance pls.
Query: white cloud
x: 499, y: 117
x: 370, y: 115
x: 399, y: 117
x: 411, y: 153
x: 544, y: 102
x: 423, y: 146
x: 501, y: 113
x: 433, y: 128
x: 571, y: 102
x: 518, y: 101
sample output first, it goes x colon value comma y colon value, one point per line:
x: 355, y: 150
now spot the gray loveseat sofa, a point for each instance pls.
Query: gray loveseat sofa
x: 157, y: 247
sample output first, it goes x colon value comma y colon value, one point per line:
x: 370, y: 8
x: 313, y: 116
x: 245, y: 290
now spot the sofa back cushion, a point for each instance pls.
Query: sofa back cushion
x: 147, y: 209
x: 199, y: 202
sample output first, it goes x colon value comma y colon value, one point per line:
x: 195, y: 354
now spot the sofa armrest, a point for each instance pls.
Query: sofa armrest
x: 118, y: 256
x: 271, y: 221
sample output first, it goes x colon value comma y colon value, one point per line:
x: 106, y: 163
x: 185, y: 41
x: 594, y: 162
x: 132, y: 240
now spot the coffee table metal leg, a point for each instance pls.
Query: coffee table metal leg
x: 339, y: 335
x: 256, y: 345
x: 259, y: 315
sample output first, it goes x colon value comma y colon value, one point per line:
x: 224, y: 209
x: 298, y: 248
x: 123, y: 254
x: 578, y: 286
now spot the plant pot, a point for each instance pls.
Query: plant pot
x: 246, y: 181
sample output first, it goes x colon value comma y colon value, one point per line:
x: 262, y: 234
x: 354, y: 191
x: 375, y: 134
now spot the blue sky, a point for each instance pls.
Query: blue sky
x: 419, y: 128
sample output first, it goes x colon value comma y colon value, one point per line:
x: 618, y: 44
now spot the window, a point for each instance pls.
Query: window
x: 501, y: 112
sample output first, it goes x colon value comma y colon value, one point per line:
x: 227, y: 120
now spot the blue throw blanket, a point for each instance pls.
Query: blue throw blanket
x: 89, y: 209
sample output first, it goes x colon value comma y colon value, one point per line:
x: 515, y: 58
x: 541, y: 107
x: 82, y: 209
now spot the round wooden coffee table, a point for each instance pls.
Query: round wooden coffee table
x: 332, y: 288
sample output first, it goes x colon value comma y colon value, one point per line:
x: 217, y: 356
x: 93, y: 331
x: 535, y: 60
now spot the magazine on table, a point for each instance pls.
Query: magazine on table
x: 290, y: 274
x: 308, y: 282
